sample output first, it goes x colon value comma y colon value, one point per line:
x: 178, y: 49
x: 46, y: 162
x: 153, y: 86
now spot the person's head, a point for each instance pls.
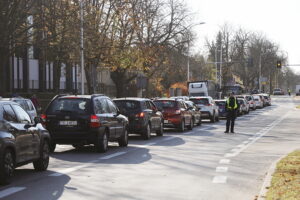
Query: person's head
x: 231, y: 94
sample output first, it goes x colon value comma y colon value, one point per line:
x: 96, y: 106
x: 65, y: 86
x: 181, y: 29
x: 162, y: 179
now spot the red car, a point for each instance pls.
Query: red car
x: 175, y: 113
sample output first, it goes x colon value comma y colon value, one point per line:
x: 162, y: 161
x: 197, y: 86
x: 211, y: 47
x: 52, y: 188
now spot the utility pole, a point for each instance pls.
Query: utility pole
x: 220, y: 75
x: 81, y: 47
x: 259, y: 66
x: 188, y: 59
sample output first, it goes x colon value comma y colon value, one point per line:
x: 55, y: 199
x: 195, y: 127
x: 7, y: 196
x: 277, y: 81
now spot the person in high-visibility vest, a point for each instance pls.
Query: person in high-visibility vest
x: 232, y: 105
x: 289, y: 91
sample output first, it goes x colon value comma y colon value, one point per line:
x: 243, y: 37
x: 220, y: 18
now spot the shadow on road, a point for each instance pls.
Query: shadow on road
x: 38, y: 185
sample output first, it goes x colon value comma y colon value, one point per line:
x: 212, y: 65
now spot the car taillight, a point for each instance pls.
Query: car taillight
x: 44, y: 119
x: 95, y: 122
x: 209, y: 104
x: 140, y: 115
x: 177, y: 112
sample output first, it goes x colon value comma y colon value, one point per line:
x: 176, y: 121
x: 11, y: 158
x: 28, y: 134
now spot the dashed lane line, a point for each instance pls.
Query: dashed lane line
x: 219, y: 179
x: 10, y: 191
x: 224, y: 161
x: 221, y: 169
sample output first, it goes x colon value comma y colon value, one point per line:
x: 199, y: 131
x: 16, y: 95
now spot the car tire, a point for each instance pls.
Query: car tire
x: 182, y: 126
x: 7, y: 166
x: 123, y: 141
x: 101, y: 144
x: 200, y: 122
x: 147, y: 132
x: 217, y: 118
x: 41, y: 164
x: 191, y: 126
x: 213, y: 118
x: 160, y: 131
x: 52, y: 147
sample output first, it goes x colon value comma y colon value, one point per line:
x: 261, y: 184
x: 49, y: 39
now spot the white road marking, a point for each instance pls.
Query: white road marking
x: 252, y: 138
x: 10, y: 191
x: 228, y: 155
x: 72, y: 169
x: 113, y: 155
x: 219, y: 179
x: 221, y: 169
x: 224, y: 161
x: 245, y: 142
x: 240, y: 145
x: 168, y: 138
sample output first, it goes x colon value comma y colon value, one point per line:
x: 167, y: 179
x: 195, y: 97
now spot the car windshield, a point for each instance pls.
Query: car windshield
x: 127, y: 105
x: 69, y: 105
x: 165, y: 104
x: 220, y: 103
x: 200, y: 101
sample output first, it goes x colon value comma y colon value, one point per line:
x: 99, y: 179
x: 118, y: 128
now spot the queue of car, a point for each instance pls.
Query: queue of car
x: 80, y: 120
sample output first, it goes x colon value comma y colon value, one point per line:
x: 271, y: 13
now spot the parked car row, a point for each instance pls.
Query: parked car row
x: 80, y: 120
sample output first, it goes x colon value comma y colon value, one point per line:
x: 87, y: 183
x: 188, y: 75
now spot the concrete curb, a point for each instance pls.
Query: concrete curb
x: 267, y: 181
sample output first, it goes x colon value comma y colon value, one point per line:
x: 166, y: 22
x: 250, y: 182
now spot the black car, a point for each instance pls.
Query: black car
x: 143, y: 116
x: 85, y: 119
x: 22, y: 141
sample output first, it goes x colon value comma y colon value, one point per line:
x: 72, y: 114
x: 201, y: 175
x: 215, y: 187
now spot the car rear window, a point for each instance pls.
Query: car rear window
x: 165, y: 104
x: 241, y: 101
x: 128, y: 105
x: 248, y: 98
x: 220, y: 103
x: 69, y: 105
x: 200, y: 101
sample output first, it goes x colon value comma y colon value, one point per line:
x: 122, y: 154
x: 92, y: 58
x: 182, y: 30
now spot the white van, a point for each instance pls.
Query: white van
x: 198, y: 89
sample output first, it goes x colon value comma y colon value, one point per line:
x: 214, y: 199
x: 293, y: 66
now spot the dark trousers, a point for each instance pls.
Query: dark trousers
x: 230, y: 121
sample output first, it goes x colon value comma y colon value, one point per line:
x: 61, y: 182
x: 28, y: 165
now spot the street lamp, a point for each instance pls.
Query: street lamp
x: 188, y: 55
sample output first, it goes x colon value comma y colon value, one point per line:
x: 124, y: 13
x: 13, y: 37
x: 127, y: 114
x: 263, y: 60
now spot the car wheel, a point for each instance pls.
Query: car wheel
x: 123, y: 141
x: 217, y: 118
x: 160, y: 132
x: 213, y: 118
x: 101, y: 144
x: 191, y: 126
x: 42, y: 163
x: 52, y: 147
x: 182, y: 126
x: 7, y: 167
x: 147, y: 132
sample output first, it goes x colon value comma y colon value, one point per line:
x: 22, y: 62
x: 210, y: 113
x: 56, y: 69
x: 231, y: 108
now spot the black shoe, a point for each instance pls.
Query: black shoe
x: 226, y: 132
x: 232, y: 131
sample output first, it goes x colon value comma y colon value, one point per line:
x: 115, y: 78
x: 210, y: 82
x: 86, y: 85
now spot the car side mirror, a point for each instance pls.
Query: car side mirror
x: 37, y: 120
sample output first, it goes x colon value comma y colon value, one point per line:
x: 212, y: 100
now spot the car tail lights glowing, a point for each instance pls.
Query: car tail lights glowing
x: 95, y: 122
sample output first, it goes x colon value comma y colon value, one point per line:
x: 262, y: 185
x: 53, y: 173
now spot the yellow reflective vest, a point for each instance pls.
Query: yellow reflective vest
x: 235, y: 104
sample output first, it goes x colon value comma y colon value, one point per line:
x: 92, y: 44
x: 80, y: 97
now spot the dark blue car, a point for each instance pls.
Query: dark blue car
x: 221, y: 104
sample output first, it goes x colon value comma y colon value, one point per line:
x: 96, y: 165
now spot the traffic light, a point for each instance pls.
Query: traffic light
x: 279, y: 64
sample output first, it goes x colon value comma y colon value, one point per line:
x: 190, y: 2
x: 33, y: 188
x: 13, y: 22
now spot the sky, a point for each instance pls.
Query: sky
x: 278, y: 20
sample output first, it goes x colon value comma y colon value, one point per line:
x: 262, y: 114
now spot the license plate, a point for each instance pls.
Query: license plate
x: 68, y: 123
x: 166, y: 121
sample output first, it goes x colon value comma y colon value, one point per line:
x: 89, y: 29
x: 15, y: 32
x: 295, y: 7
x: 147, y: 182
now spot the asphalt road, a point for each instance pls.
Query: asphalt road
x: 200, y: 164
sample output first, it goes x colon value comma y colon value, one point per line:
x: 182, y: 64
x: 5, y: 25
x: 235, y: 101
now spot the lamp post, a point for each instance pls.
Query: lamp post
x: 188, y: 55
x: 81, y: 47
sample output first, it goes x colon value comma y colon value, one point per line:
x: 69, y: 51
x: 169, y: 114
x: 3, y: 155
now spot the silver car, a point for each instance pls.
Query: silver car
x: 209, y: 109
